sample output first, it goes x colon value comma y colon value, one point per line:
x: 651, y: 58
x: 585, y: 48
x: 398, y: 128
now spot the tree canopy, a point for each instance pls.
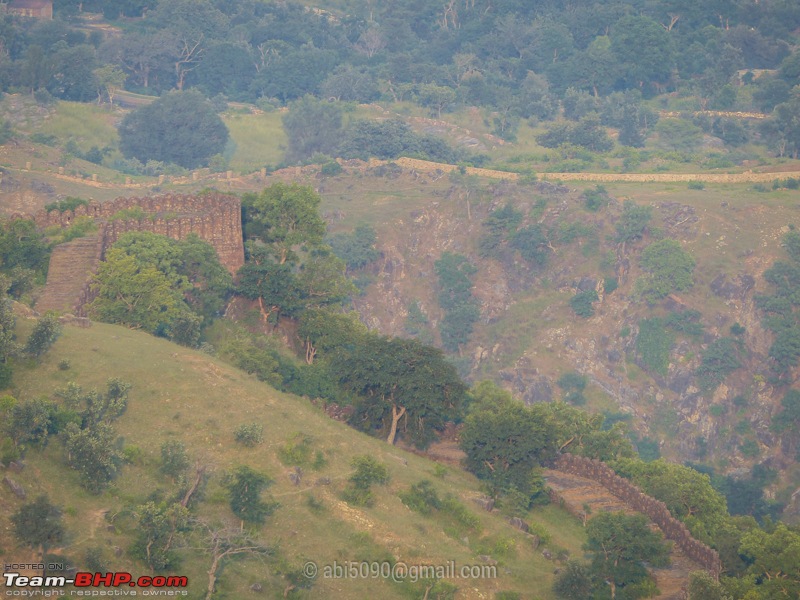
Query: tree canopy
x: 396, y: 379
x: 180, y: 127
x: 621, y: 546
x: 505, y: 441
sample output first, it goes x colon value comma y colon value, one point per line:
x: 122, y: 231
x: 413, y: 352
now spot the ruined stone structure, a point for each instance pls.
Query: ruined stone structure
x: 214, y: 218
x: 37, y: 9
x: 656, y: 510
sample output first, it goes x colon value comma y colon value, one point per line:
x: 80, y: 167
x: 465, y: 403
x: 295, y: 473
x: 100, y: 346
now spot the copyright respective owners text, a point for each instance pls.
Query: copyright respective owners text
x: 396, y: 571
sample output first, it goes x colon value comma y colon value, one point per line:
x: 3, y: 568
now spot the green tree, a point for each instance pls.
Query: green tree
x: 669, y: 269
x: 7, y: 344
x: 313, y: 127
x: 285, y: 217
x: 787, y: 421
x: 159, y: 529
x: 780, y: 307
x: 573, y: 385
x: 350, y: 84
x: 39, y: 525
x: 585, y: 434
x: 356, y: 249
x: 400, y: 378
x: 71, y: 72
x: 574, y: 582
x: 44, y: 335
x: 323, y: 331
x: 678, y: 134
x: 174, y: 460
x: 620, y: 546
x: 94, y: 453
x: 180, y: 127
x: 587, y: 133
x: 775, y: 560
x: 688, y: 494
x: 582, y: 303
x: 97, y: 407
x: 719, y: 360
x: 633, y: 221
x: 109, y: 79
x: 273, y: 285
x: 455, y: 298
x: 435, y: 97
x: 499, y: 226
x: 654, y: 345
x: 784, y: 125
x: 368, y: 471
x: 322, y: 279
x: 245, y: 487
x: 141, y: 297
x: 644, y: 50
x: 31, y: 422
x: 533, y: 244
x: 6, y: 132
x: 24, y: 255
x: 505, y: 441
x: 191, y: 265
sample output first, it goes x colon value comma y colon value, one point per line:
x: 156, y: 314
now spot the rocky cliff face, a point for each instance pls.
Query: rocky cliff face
x: 528, y: 336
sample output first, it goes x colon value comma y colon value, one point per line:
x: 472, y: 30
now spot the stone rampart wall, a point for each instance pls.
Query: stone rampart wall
x: 656, y: 510
x: 214, y: 218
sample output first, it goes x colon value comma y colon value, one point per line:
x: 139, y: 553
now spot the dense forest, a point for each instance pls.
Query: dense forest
x: 521, y: 60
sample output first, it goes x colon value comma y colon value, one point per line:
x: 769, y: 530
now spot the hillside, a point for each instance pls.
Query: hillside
x: 528, y: 336
x: 184, y: 395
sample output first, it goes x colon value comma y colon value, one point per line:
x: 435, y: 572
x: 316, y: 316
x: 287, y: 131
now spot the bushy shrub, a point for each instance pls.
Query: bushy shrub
x: 249, y: 434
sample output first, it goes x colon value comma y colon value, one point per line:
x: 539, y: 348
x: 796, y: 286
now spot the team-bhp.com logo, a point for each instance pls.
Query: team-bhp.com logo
x: 96, y: 580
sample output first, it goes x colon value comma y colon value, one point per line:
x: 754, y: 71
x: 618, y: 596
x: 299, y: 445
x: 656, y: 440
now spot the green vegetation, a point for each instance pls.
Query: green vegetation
x: 396, y: 379
x: 582, y: 303
x: 180, y: 128
x: 620, y: 546
x: 669, y: 269
x: 654, y: 344
x: 718, y: 360
x: 505, y: 73
x: 455, y: 298
x: 780, y: 308
x: 249, y: 434
x: 356, y: 249
x: 39, y: 525
x: 688, y: 494
x: 505, y: 442
x: 633, y: 221
x: 44, y: 335
x: 245, y: 486
x: 573, y: 385
x: 368, y: 472
x: 498, y: 227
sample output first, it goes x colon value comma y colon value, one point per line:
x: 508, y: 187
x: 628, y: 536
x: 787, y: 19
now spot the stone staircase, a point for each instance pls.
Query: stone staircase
x: 71, y: 267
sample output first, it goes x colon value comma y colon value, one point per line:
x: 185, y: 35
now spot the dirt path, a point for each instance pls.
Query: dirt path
x: 579, y: 493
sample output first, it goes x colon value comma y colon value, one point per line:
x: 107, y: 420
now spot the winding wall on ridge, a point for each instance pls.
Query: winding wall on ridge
x: 656, y: 510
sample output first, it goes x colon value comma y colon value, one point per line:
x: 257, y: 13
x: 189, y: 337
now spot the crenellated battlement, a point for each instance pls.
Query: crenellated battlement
x: 213, y: 217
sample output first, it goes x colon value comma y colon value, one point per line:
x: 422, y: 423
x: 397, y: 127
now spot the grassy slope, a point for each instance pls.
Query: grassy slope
x: 186, y: 395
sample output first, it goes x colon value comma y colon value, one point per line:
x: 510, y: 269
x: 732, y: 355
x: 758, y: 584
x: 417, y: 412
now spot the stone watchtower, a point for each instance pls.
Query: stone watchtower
x: 214, y: 218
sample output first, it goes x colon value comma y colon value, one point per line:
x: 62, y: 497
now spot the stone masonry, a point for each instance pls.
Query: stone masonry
x: 213, y: 217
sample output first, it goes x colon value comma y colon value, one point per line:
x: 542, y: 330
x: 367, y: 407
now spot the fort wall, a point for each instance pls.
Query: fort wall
x: 214, y: 218
x: 656, y: 510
